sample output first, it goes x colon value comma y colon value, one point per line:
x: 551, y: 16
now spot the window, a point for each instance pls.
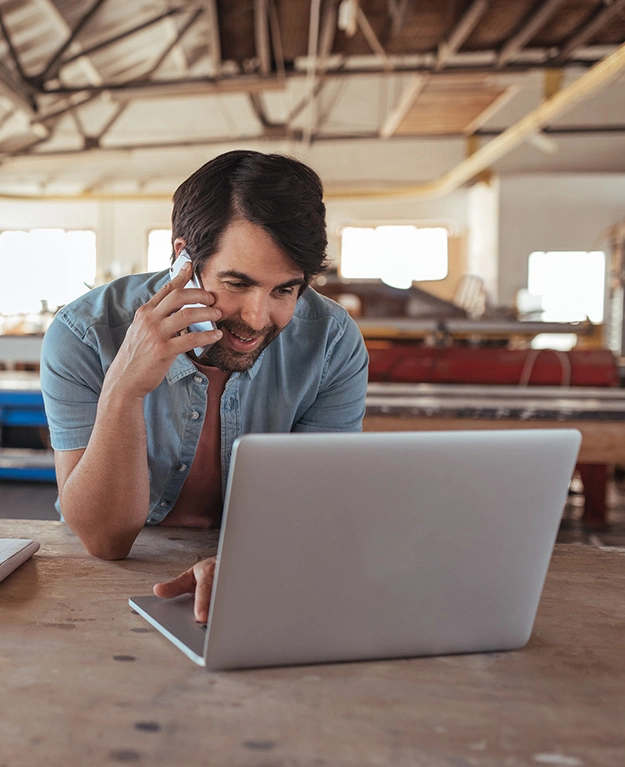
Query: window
x: 568, y: 285
x: 397, y: 255
x: 563, y: 286
x: 44, y: 267
x: 159, y: 250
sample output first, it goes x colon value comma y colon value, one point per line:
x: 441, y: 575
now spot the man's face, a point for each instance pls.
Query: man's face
x: 256, y: 286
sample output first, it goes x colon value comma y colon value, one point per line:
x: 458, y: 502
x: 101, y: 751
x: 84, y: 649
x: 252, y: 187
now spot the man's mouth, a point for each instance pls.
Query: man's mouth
x: 240, y: 346
x: 240, y: 342
x: 245, y: 340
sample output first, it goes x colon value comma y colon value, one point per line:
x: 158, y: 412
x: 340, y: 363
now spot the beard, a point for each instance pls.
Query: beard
x: 231, y: 361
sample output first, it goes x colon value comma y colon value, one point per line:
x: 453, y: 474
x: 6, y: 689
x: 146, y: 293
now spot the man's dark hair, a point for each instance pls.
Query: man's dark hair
x: 276, y: 192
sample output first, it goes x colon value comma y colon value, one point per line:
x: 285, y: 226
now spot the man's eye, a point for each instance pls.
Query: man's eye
x: 236, y: 284
x: 285, y: 291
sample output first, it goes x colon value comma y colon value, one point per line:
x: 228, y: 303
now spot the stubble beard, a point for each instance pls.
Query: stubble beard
x: 231, y: 361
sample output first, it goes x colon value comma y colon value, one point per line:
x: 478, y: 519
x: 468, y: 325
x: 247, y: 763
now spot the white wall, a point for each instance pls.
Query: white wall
x: 121, y: 227
x: 539, y: 212
x: 450, y: 210
x: 553, y: 212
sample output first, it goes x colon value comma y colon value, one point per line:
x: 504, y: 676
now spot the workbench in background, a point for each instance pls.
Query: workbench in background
x: 25, y: 453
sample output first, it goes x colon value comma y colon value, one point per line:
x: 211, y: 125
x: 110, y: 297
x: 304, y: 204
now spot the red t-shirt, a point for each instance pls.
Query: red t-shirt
x: 200, y: 503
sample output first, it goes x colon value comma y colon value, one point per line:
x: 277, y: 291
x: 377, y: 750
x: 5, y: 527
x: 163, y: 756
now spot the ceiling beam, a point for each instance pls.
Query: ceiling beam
x: 276, y: 38
x: 261, y: 35
x: 397, y: 11
x: 372, y: 39
x: 214, y: 40
x: 492, y: 109
x: 328, y: 33
x: 599, y: 20
x: 11, y: 47
x: 122, y: 35
x: 54, y: 64
x: 461, y: 31
x: 136, y: 89
x: 173, y: 43
x: 527, y: 32
x: 243, y: 83
x: 313, y: 57
x: 61, y: 28
x: 119, y: 111
x: 282, y: 132
x: 409, y: 95
x: 18, y: 93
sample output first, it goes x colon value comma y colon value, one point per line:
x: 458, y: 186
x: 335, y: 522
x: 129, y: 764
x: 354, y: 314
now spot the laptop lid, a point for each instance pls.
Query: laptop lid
x: 343, y: 547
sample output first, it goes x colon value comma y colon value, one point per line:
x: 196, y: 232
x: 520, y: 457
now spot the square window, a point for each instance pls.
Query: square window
x: 397, y: 255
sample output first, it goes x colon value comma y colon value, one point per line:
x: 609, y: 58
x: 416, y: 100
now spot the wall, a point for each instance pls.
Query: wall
x: 553, y: 212
x: 541, y: 212
x: 450, y: 211
x: 121, y: 227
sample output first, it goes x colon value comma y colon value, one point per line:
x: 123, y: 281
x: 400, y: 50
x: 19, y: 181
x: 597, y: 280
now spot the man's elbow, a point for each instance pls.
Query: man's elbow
x: 108, y: 548
x: 107, y: 552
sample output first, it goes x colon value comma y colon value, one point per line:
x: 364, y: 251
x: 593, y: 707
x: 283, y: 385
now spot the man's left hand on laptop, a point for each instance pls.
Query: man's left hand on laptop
x: 196, y: 580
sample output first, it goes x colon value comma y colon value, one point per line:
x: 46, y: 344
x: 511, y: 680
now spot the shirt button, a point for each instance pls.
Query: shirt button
x: 164, y: 504
x: 197, y: 379
x: 195, y: 415
x: 182, y: 467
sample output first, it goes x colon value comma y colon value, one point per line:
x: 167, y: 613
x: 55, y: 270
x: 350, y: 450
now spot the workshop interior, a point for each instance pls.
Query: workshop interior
x: 473, y: 160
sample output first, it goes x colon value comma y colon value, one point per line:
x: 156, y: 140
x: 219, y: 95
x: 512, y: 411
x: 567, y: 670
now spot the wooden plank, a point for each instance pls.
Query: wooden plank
x: 602, y: 442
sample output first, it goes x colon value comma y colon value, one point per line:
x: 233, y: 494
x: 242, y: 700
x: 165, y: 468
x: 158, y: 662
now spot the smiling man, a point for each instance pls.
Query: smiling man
x: 141, y: 427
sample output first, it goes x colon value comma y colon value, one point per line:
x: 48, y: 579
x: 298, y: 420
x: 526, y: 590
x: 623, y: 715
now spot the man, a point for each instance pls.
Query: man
x: 142, y: 429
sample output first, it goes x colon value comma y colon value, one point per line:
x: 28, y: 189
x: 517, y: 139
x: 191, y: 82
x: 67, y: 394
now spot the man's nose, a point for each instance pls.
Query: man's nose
x: 255, y: 311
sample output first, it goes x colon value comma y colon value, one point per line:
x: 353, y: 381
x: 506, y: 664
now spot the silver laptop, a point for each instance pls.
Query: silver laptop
x: 346, y: 547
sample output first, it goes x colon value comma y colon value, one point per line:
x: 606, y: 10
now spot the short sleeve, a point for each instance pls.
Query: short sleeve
x: 71, y: 381
x: 340, y: 402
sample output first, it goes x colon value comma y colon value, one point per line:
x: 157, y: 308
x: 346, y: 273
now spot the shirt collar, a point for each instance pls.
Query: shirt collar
x: 182, y: 366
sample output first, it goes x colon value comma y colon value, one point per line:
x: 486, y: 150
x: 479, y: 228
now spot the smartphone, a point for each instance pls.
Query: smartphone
x: 193, y: 283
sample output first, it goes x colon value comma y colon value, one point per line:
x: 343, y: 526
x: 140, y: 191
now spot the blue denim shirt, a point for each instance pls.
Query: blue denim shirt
x: 312, y: 377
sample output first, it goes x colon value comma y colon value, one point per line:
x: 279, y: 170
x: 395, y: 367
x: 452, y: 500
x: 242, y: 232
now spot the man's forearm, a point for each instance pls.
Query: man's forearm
x: 105, y: 497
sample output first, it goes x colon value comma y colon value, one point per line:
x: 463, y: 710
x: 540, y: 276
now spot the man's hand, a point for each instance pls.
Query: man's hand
x: 196, y: 580
x: 158, y: 335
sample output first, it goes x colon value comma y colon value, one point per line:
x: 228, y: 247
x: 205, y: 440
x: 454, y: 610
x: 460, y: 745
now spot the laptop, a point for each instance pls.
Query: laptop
x: 364, y: 546
x: 13, y: 553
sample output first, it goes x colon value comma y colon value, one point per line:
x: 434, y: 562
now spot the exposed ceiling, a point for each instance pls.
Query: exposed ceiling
x: 113, y: 97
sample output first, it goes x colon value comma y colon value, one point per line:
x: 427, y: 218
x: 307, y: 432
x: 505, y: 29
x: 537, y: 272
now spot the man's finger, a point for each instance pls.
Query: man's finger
x: 179, y: 281
x: 204, y: 574
x: 181, y: 584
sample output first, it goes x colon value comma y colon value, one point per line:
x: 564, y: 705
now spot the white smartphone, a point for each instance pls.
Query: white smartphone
x: 193, y: 283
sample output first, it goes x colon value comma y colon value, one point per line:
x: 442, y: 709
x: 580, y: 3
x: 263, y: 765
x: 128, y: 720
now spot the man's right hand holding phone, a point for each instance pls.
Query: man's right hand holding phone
x: 162, y: 329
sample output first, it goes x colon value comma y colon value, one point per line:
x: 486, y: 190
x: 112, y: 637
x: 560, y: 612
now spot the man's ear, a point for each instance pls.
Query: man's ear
x: 179, y: 245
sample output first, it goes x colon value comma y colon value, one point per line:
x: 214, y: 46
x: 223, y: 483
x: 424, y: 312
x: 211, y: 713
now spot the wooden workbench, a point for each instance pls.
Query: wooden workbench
x: 599, y: 414
x: 87, y: 682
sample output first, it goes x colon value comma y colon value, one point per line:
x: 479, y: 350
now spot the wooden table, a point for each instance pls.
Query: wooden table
x: 87, y: 682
